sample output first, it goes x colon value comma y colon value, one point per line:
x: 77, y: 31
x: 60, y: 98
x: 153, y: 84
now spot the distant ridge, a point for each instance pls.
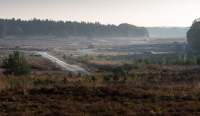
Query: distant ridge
x: 167, y: 32
x: 17, y: 27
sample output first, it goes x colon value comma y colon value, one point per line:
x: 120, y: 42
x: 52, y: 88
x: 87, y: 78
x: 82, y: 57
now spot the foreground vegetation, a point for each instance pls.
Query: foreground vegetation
x: 150, y: 89
x: 67, y: 96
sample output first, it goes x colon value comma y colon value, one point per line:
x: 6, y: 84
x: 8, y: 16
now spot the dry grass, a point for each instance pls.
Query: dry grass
x: 153, y: 90
x: 57, y: 93
x: 4, y: 83
x: 105, y: 62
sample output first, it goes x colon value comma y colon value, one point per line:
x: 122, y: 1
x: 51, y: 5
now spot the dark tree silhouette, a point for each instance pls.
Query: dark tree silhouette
x: 64, y: 29
x: 193, y: 36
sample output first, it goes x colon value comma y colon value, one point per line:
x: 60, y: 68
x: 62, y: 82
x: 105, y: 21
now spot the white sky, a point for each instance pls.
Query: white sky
x: 138, y: 12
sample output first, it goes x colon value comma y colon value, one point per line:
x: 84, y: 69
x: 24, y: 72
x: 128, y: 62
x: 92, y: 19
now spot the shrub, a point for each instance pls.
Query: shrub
x: 93, y: 78
x: 16, y: 64
x: 108, y: 78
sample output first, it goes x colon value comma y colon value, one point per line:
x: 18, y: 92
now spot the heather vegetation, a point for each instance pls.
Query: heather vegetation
x: 148, y: 89
x: 160, y: 59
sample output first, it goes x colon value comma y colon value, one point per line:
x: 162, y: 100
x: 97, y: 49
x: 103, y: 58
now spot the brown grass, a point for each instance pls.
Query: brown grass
x: 51, y: 94
x: 152, y: 90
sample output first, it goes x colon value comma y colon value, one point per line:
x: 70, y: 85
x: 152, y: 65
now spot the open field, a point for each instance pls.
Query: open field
x: 145, y: 90
x: 142, y: 79
x: 157, y: 90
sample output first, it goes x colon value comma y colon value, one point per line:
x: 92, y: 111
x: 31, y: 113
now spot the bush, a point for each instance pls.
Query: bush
x: 108, y: 78
x: 120, y: 74
x: 16, y: 64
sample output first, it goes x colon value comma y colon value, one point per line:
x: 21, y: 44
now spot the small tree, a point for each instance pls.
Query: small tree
x: 16, y: 64
x: 120, y: 74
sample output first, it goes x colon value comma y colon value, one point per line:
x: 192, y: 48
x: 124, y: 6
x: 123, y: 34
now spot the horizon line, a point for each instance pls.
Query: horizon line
x: 58, y: 20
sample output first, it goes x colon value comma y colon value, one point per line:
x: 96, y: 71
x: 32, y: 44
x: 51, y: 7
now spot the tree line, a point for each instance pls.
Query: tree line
x: 18, y: 27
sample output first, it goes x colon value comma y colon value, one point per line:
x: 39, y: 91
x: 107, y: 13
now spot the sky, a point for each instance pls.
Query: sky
x: 137, y: 12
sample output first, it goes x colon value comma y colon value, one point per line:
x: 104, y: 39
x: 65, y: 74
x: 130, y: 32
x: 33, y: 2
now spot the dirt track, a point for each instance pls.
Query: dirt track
x: 62, y: 64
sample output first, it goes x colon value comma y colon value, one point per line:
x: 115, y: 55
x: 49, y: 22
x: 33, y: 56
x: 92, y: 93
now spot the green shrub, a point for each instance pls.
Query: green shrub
x: 120, y: 74
x: 108, y: 78
x: 16, y: 64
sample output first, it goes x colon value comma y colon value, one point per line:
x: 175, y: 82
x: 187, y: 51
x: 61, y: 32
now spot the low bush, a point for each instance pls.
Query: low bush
x: 16, y: 64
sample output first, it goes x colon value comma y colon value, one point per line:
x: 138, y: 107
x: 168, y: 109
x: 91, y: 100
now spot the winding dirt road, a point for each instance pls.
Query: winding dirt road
x: 62, y: 64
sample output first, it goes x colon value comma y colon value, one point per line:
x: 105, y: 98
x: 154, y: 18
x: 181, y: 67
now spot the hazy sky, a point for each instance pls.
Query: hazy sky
x: 138, y: 12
